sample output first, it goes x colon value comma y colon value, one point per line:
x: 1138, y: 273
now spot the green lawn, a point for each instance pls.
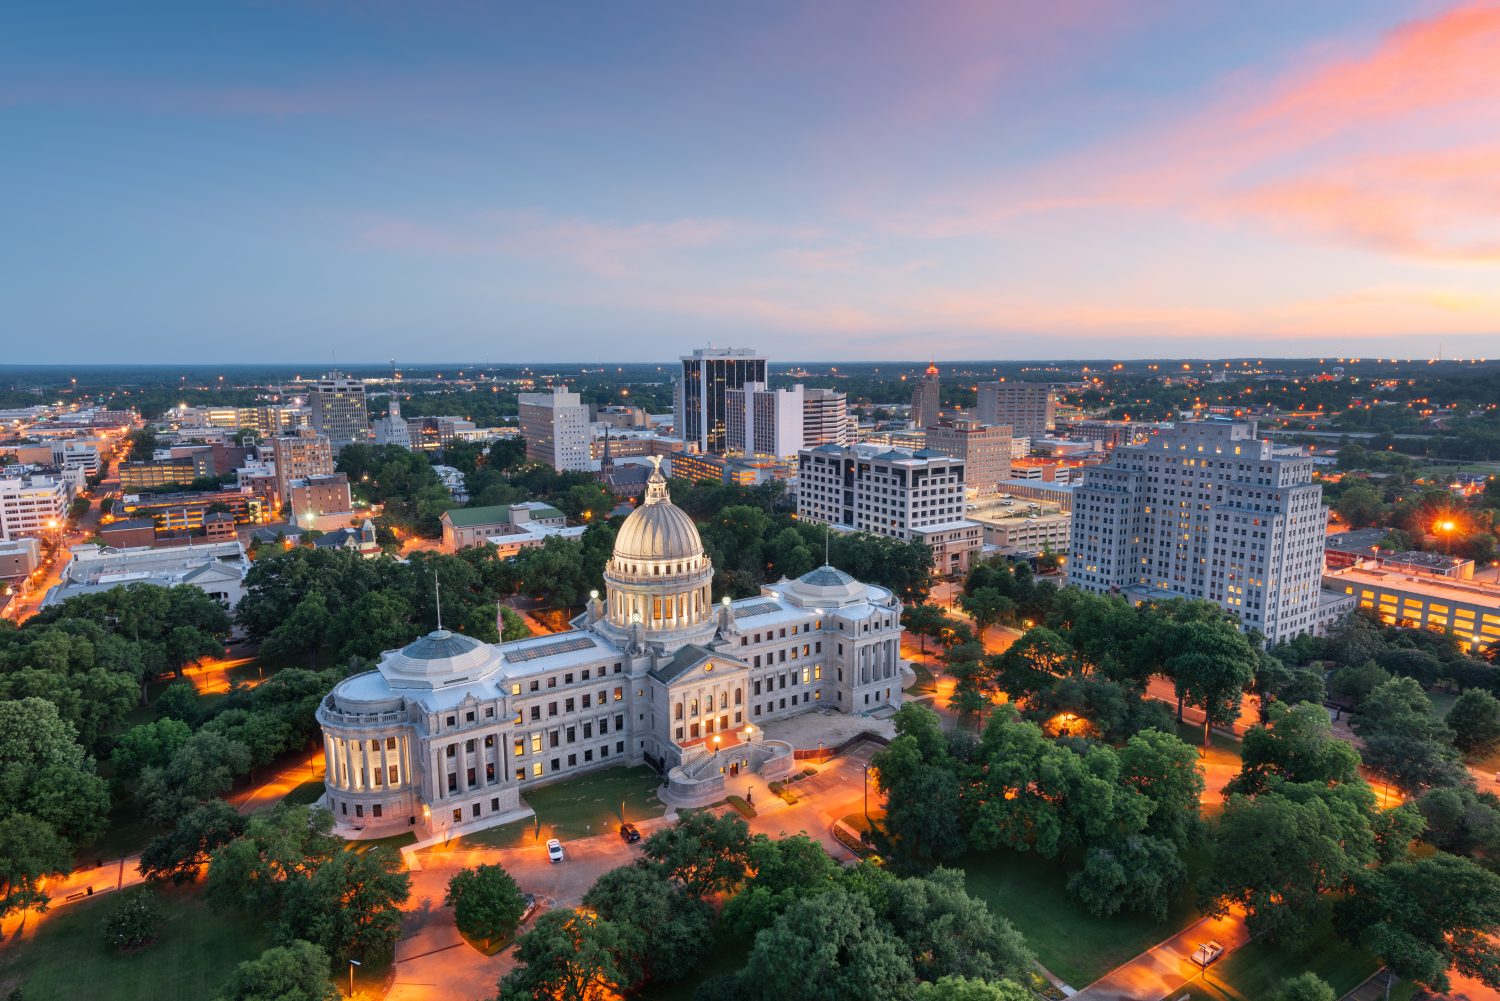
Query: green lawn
x: 305, y: 794
x: 577, y: 808
x: 67, y: 958
x: 1257, y: 969
x: 1080, y: 948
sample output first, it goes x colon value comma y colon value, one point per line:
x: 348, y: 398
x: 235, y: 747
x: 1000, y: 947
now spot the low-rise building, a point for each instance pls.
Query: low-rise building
x: 453, y: 482
x: 321, y: 502
x: 470, y: 526
x: 1025, y: 535
x: 19, y: 558
x: 709, y: 467
x: 218, y: 568
x: 1468, y: 609
x: 198, y: 463
x: 185, y: 511
x: 128, y: 533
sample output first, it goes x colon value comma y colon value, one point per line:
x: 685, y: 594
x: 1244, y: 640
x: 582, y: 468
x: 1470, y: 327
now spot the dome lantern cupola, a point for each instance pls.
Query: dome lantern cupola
x: 658, y: 575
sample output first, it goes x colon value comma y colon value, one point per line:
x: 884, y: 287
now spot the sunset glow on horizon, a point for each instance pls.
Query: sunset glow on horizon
x: 960, y: 180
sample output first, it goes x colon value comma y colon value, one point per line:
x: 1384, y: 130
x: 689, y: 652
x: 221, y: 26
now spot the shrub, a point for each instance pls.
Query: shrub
x: 133, y: 925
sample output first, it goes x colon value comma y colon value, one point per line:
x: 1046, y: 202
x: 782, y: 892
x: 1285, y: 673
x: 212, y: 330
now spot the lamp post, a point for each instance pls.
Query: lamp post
x: 866, y: 789
x: 1446, y: 527
x: 352, y: 964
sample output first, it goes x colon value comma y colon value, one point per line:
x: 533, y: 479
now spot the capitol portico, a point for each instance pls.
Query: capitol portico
x: 449, y: 732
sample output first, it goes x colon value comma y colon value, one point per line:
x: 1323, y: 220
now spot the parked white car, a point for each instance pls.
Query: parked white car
x: 555, y: 850
x: 1207, y: 953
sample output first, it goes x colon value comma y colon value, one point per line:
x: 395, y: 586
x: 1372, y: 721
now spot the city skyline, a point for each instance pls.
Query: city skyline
x: 241, y: 182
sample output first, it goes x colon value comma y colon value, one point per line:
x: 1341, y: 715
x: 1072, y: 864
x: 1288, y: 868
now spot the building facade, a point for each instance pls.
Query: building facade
x: 1025, y: 535
x: 764, y: 423
x: 1207, y: 511
x: 927, y: 399
x: 1030, y: 408
x: 825, y: 418
x: 217, y: 568
x: 391, y: 429
x: 1406, y: 596
x: 320, y: 502
x: 556, y: 428
x: 337, y: 409
x: 912, y: 496
x: 33, y: 505
x: 299, y: 456
x: 703, y: 385
x: 448, y: 732
x: 984, y: 448
x: 471, y: 526
x: 182, y: 469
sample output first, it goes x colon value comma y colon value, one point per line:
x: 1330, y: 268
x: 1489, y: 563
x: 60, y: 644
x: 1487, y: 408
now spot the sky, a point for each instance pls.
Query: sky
x: 840, y: 180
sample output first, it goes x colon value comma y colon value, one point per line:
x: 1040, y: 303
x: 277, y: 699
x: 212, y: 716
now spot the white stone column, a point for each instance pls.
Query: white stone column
x: 439, y: 773
x: 463, y: 767
x: 330, y: 769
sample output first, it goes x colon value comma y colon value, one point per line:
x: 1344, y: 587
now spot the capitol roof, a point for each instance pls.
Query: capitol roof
x: 437, y: 660
x: 658, y: 529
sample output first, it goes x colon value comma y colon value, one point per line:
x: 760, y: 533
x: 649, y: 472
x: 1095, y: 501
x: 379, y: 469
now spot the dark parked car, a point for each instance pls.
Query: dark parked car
x: 629, y: 834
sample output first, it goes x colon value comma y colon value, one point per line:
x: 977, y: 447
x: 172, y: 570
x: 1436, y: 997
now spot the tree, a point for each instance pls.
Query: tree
x: 703, y: 853
x: 513, y: 627
x: 1475, y: 721
x: 923, y: 821
x: 178, y: 700
x: 1275, y: 854
x: 29, y: 850
x: 181, y: 854
x: 566, y: 956
x: 487, y: 904
x: 134, y: 923
x: 297, y: 971
x: 1423, y: 917
x: 663, y: 931
x: 1212, y: 667
x: 987, y: 606
x: 784, y: 870
x: 832, y: 947
x: 281, y: 846
x: 1138, y: 873
x: 946, y: 932
x: 1164, y: 770
x: 1359, y: 506
x: 148, y: 745
x: 962, y: 989
x: 44, y: 773
x: 351, y: 907
x: 1404, y: 739
x: 1297, y: 746
x: 201, y: 770
x: 1304, y: 987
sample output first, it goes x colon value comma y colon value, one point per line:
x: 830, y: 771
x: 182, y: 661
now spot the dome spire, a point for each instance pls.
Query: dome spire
x: 656, y: 484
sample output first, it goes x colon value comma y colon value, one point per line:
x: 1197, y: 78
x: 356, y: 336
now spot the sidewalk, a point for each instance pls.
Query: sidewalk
x: 1167, y: 966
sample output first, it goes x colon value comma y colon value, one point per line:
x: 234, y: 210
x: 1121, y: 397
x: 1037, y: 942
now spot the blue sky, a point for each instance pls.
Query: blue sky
x: 288, y: 181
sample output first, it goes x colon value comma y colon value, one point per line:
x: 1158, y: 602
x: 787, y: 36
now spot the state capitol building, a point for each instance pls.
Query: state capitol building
x: 448, y: 732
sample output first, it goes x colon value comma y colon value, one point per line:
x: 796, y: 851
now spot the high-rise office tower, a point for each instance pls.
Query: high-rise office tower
x: 825, y: 417
x: 298, y: 456
x: 701, y: 396
x: 1209, y: 511
x: 1028, y: 407
x: 338, y: 409
x: 985, y: 449
x: 556, y: 428
x: 926, y: 399
x: 760, y: 421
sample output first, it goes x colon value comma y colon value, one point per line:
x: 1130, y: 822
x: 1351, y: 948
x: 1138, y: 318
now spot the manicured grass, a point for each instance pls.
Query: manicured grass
x: 1255, y: 970
x: 1080, y: 948
x: 305, y: 794
x: 577, y: 808
x: 126, y: 834
x: 924, y: 682
x: 396, y: 841
x: 196, y: 951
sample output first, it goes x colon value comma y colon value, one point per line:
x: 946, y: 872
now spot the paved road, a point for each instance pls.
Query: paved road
x: 1165, y: 968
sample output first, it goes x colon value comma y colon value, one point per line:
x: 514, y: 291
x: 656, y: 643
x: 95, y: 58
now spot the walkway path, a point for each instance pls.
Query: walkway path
x: 274, y: 789
x: 1167, y: 966
x: 80, y: 884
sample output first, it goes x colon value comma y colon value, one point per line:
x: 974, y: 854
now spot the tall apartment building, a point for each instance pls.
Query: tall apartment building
x: 556, y: 428
x: 702, y: 389
x: 760, y: 421
x: 985, y: 449
x: 926, y: 399
x: 1030, y: 408
x: 913, y: 496
x: 1206, y: 511
x: 391, y: 429
x: 32, y: 506
x: 825, y: 417
x: 298, y: 456
x: 338, y: 409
